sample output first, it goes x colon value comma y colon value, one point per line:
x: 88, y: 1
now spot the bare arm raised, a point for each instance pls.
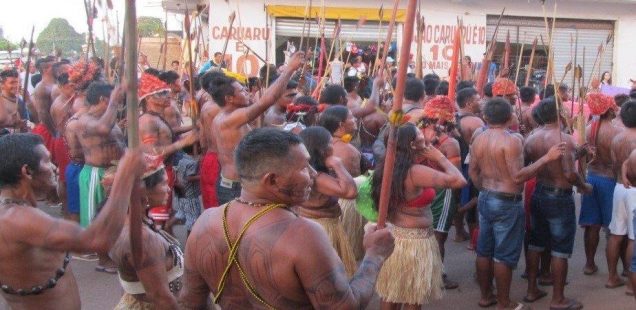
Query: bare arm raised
x: 423, y: 176
x: 107, y: 121
x: 342, y: 186
x: 373, y: 101
x: 62, y: 235
x: 249, y: 114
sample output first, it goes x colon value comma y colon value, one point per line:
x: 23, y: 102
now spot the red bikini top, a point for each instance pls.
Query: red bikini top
x: 423, y: 200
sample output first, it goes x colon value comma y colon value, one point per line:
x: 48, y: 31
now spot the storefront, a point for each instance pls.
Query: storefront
x: 266, y: 27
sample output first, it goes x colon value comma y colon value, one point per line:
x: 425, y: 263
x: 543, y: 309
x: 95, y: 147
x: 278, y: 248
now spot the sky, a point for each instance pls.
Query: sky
x: 17, y: 17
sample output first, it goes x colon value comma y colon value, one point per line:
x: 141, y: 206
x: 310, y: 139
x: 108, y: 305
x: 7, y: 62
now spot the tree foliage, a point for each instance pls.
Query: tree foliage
x: 150, y: 26
x: 6, y: 45
x: 60, y: 34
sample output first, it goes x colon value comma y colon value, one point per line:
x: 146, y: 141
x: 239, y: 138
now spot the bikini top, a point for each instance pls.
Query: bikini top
x: 423, y: 200
x: 174, y: 274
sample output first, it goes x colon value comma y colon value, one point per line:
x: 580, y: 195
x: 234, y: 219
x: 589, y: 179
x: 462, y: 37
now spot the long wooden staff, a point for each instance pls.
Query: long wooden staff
x: 389, y: 161
x: 485, y: 63
x: 28, y: 65
x: 133, y: 125
x: 506, y: 58
x: 551, y: 70
x: 377, y: 52
x: 531, y: 63
x: 302, y: 37
x: 164, y: 49
x: 194, y: 106
x: 452, y: 79
x: 389, y: 36
x: 599, y: 53
x: 229, y: 34
x: 575, y: 72
x: 420, y: 33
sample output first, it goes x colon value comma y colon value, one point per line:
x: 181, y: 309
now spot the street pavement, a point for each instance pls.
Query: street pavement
x: 102, y: 291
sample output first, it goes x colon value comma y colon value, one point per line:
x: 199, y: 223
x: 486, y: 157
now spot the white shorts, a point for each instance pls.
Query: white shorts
x: 623, y: 211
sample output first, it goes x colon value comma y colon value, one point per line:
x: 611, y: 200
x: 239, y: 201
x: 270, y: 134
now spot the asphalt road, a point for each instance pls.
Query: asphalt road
x: 101, y: 291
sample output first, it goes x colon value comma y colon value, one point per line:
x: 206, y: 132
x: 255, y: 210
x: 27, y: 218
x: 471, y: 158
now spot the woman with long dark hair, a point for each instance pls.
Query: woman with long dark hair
x: 332, y: 182
x: 412, y: 275
x: 606, y: 78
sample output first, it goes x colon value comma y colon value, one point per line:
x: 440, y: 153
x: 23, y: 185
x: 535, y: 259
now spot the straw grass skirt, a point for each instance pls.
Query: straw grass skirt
x: 339, y: 241
x: 413, y: 273
x: 353, y: 224
x: 129, y: 302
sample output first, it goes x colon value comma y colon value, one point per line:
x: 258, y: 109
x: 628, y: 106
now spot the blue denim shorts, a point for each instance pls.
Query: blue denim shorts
x: 552, y: 222
x: 501, y: 228
x: 596, y: 207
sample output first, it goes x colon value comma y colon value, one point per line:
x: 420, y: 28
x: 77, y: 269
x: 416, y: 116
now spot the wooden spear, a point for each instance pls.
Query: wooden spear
x: 133, y: 125
x: 28, y: 64
x: 377, y: 52
x: 506, y: 58
x: 575, y: 73
x: 389, y: 36
x: 530, y: 64
x: 194, y: 109
x: 389, y: 161
x: 164, y: 49
x: 420, y: 33
x: 485, y: 63
x: 227, y: 40
x: 452, y: 79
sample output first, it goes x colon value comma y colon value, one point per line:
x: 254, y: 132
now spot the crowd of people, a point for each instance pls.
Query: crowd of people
x: 295, y: 170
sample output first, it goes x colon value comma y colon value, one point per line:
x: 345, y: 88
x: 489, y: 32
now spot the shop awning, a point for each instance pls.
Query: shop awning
x: 344, y: 13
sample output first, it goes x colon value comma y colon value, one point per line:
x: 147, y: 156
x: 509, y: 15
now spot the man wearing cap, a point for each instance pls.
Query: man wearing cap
x: 507, y: 89
x: 156, y: 134
x: 596, y: 207
x: 439, y: 121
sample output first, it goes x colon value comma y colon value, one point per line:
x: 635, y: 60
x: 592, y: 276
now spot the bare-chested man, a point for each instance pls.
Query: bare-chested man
x: 102, y: 142
x: 527, y: 96
x: 232, y: 123
x: 297, y: 267
x: 552, y: 212
x: 413, y: 96
x: 624, y: 199
x: 34, y: 270
x: 13, y: 112
x: 42, y: 101
x: 276, y: 115
x: 467, y: 122
x: 210, y: 168
x: 351, y: 84
x: 157, y: 135
x: 596, y: 207
x: 61, y: 111
x: 497, y: 169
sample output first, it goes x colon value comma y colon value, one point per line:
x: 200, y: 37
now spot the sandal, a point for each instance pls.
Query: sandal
x: 109, y: 270
x: 539, y: 295
x: 571, y: 305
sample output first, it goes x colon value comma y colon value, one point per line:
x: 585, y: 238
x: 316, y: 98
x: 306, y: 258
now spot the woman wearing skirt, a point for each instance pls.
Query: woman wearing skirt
x: 412, y: 275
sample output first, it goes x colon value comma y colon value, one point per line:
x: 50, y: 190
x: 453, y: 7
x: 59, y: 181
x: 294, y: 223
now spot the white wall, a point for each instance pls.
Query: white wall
x: 253, y: 15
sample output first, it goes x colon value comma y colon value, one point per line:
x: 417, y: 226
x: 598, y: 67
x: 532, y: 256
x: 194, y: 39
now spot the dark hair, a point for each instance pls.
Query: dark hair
x: 35, y: 79
x: 57, y: 69
x: 174, y: 62
x: 632, y: 93
x: 431, y: 81
x: 169, y: 76
x: 97, y: 90
x: 155, y: 178
x: 546, y: 111
x: 536, y: 117
x: 488, y: 90
x: 40, y: 62
x: 332, y: 94
x: 219, y: 87
x: 404, y: 158
x: 206, y: 78
x: 7, y: 74
x: 620, y: 99
x: 273, y: 75
x: 292, y: 84
x: 547, y: 92
x: 17, y: 150
x: 332, y: 117
x: 350, y: 83
x: 527, y: 94
x: 628, y: 113
x: 263, y: 150
x: 464, y: 95
x: 610, y: 78
x: 497, y: 111
x: 465, y: 84
x: 414, y: 90
x: 310, y: 118
x: 217, y: 54
x: 442, y: 88
x: 98, y: 61
x: 316, y: 140
x: 152, y: 71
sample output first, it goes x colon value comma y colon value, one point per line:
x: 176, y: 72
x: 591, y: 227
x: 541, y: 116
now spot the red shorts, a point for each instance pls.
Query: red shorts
x: 61, y: 157
x: 46, y: 135
x: 528, y: 191
x: 210, y: 171
x: 160, y: 214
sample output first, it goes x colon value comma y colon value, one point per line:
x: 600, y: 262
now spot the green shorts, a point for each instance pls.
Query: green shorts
x: 443, y: 208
